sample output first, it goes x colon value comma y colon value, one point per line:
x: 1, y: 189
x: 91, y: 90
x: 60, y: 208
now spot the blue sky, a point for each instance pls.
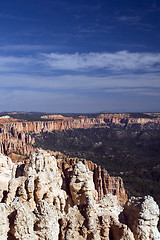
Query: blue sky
x: 80, y: 56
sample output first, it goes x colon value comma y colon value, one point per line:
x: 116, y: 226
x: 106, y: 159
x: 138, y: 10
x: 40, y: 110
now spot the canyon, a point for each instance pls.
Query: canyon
x: 86, y: 202
x: 17, y: 141
x: 16, y: 135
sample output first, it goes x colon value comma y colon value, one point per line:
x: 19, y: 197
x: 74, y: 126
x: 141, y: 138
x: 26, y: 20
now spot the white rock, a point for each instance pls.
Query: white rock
x: 37, y: 208
x: 142, y: 216
x: 6, y: 167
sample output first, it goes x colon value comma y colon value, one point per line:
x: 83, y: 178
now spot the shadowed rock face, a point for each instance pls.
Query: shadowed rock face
x: 38, y: 205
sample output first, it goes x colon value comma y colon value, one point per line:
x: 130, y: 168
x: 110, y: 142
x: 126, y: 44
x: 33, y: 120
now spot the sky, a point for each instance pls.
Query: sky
x: 80, y: 56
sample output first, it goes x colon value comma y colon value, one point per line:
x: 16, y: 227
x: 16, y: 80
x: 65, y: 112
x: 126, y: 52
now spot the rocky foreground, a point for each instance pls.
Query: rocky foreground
x: 38, y: 202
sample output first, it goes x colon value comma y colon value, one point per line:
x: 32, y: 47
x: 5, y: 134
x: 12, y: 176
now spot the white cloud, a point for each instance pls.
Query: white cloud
x: 31, y: 82
x: 118, y: 61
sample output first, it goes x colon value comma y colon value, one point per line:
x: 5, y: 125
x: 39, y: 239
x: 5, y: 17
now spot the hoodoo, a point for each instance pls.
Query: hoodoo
x: 40, y: 201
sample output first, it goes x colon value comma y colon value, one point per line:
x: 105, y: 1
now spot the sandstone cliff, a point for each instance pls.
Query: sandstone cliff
x: 14, y: 140
x: 65, y: 123
x: 16, y: 135
x: 36, y: 205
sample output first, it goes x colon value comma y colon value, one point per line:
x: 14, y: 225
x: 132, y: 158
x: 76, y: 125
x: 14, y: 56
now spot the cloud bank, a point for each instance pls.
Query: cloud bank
x: 71, y: 82
x: 118, y: 61
x: 114, y: 62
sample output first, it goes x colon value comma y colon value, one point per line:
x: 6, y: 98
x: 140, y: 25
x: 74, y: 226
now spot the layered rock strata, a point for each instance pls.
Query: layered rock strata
x: 18, y: 143
x: 65, y: 123
x: 36, y: 205
x: 16, y: 135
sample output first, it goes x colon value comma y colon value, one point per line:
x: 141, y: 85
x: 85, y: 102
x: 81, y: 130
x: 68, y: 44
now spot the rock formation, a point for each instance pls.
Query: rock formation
x: 16, y: 135
x: 40, y: 202
x: 6, y: 167
x: 104, y: 183
x: 142, y: 217
x: 14, y: 141
x: 15, y: 138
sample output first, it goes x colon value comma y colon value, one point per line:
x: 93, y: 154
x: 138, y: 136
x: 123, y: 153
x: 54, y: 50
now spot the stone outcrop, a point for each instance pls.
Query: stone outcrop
x: 40, y: 202
x: 6, y: 167
x: 142, y: 215
x: 104, y: 183
x: 82, y: 185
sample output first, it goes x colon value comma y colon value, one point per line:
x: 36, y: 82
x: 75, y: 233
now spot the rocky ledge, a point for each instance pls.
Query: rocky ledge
x: 38, y: 203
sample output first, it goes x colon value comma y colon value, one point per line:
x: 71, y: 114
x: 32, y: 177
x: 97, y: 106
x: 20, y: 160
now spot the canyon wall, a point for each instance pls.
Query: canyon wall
x: 48, y: 126
x: 17, y: 142
x: 16, y: 135
x: 36, y: 205
x: 21, y: 143
x: 16, y: 127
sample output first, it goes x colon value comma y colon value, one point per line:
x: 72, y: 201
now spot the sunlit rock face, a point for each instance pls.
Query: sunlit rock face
x: 82, y: 185
x: 142, y: 215
x: 16, y: 135
x: 6, y: 167
x: 38, y: 202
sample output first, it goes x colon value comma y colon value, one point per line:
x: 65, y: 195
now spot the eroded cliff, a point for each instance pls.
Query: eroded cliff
x: 17, y: 135
x: 104, y: 183
x: 38, y: 202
